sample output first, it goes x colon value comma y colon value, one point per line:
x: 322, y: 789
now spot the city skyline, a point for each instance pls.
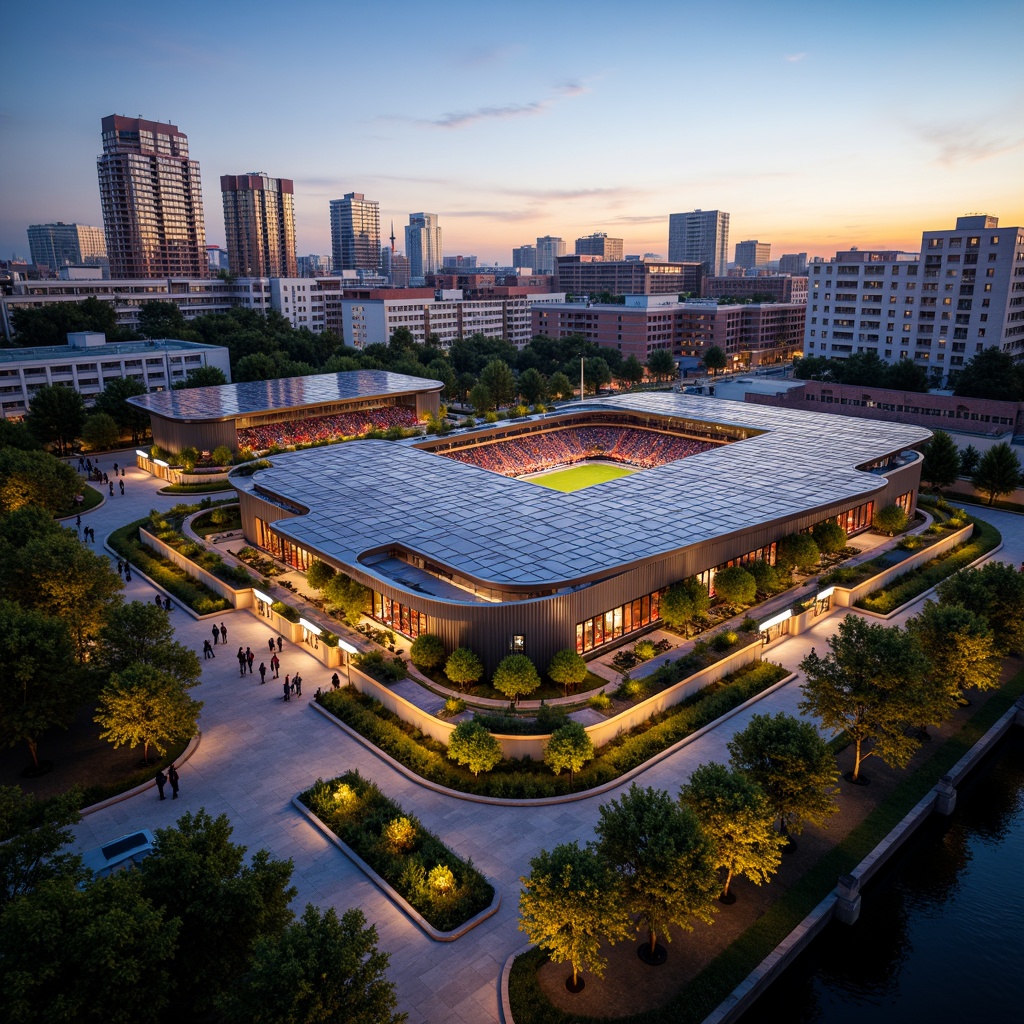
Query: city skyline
x: 857, y: 153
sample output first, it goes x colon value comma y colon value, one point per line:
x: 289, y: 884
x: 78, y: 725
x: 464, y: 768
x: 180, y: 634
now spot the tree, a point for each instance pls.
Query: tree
x: 735, y: 586
x: 941, y: 464
x: 17, y: 435
x: 100, y: 431
x: 969, y: 459
x: 568, y: 669
x: 766, y: 576
x: 829, y: 536
x: 427, y: 651
x: 515, y: 677
x: 715, y: 359
x: 663, y: 861
x: 201, y: 377
x: 113, y: 400
x: 797, y: 550
x: 632, y: 371
x: 532, y: 386
x: 570, y: 747
x: 161, y: 320
x: 790, y: 761
x: 33, y: 833
x: 736, y: 816
x: 36, y: 478
x: 890, y: 520
x: 661, y: 365
x: 906, y: 375
x: 996, y: 592
x: 463, y: 667
x: 319, y: 574
x: 960, y: 648
x: 221, y: 455
x: 871, y: 686
x: 559, y: 386
x: 224, y: 905
x: 481, y: 399
x: 991, y: 373
x: 349, y: 595
x: 684, y: 602
x: 142, y: 704
x: 569, y: 904
x: 320, y: 971
x: 56, y: 414
x: 499, y: 380
x: 139, y: 633
x: 38, y: 690
x: 596, y: 372
x: 998, y: 472
x: 472, y: 744
x: 50, y: 324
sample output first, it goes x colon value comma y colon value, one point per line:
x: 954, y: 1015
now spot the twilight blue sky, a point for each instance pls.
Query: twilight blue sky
x: 817, y: 126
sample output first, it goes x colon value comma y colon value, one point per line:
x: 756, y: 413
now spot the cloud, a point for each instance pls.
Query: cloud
x: 504, y: 215
x: 795, y: 58
x: 967, y: 143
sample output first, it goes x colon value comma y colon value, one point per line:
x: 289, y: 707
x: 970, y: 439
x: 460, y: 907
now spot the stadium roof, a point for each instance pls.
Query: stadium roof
x: 225, y: 401
x: 365, y: 496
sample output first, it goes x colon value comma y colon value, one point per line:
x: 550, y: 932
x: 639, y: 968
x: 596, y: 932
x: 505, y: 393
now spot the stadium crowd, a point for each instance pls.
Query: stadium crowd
x: 532, y: 453
x: 325, y: 428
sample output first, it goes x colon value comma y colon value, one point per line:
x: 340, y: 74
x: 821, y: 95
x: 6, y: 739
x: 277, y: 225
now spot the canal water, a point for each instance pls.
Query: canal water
x: 941, y: 934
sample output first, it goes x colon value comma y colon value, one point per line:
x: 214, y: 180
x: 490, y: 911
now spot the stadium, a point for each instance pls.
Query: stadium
x: 460, y: 536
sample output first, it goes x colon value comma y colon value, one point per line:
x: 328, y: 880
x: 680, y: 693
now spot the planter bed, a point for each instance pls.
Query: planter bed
x: 445, y: 889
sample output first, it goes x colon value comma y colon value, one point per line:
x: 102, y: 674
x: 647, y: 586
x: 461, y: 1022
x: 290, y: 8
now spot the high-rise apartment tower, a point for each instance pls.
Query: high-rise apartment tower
x: 599, y: 244
x: 753, y: 254
x: 423, y: 245
x: 549, y: 248
x: 701, y: 236
x: 152, y: 200
x: 259, y: 224
x: 355, y: 233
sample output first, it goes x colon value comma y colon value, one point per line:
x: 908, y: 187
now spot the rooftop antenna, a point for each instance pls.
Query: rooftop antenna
x: 392, y: 238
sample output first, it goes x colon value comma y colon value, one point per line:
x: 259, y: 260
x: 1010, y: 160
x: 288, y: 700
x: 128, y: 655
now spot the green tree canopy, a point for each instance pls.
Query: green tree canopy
x: 661, y: 365
x: 569, y: 904
x: 790, y: 761
x: 941, y: 464
x: 349, y: 595
x: 890, y: 520
x: 113, y: 400
x: 56, y: 415
x: 560, y: 386
x: 632, y: 371
x: 140, y: 633
x: 684, y: 603
x: 767, y: 577
x: 36, y: 478
x: 472, y: 744
x: 797, y: 550
x: 569, y: 748
x: 715, y: 359
x: 969, y: 459
x: 532, y: 386
x: 201, y: 377
x: 463, y: 667
x: 481, y: 399
x: 872, y: 686
x: 829, y: 536
x: 51, y: 324
x: 664, y: 863
x: 319, y: 574
x: 735, y: 586
x: 499, y: 380
x: 17, y: 435
x: 998, y: 472
x: 568, y: 669
x: 100, y: 431
x: 991, y: 373
x: 427, y: 651
x: 995, y: 592
x: 736, y: 816
x: 515, y: 677
x: 162, y: 320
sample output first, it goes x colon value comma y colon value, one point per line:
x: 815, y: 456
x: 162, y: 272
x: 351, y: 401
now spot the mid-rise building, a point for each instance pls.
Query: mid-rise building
x: 459, y: 262
x: 599, y: 244
x: 217, y: 258
x: 793, y: 263
x: 259, y: 222
x: 315, y: 265
x: 355, y: 233
x: 588, y: 275
x: 152, y: 201
x: 962, y: 294
x: 770, y: 288
x: 394, y: 268
x: 752, y: 254
x: 549, y: 248
x: 525, y: 257
x: 701, y: 236
x: 423, y: 245
x: 66, y: 245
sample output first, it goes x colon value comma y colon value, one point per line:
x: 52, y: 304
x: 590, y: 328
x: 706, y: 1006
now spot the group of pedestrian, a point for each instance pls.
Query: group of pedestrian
x: 245, y: 660
x: 208, y: 650
x: 124, y: 569
x: 220, y: 633
x: 162, y: 780
x: 165, y: 604
x: 291, y: 686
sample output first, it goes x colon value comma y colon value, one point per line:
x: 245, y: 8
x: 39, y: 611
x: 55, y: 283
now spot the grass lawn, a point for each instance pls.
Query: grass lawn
x: 577, y: 477
x: 211, y: 488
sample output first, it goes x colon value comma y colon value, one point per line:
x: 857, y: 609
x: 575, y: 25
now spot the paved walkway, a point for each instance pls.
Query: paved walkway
x: 258, y: 751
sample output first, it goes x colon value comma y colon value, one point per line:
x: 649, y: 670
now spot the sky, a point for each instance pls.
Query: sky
x: 817, y: 127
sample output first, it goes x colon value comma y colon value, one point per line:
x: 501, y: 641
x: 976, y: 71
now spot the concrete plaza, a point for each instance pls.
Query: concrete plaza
x: 257, y: 752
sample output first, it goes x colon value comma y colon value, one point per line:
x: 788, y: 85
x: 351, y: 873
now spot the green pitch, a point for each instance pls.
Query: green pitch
x: 585, y: 475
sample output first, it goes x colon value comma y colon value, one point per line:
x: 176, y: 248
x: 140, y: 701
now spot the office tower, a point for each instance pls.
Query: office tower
x: 549, y: 248
x: 753, y: 254
x: 259, y: 224
x: 314, y: 265
x: 66, y: 245
x: 599, y: 244
x: 423, y: 245
x: 701, y: 235
x: 793, y: 263
x: 355, y: 233
x: 525, y: 257
x: 459, y: 262
x: 217, y: 258
x: 152, y: 201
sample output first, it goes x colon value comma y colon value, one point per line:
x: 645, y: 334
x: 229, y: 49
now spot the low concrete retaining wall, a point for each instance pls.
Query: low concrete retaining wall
x: 176, y: 475
x: 239, y: 598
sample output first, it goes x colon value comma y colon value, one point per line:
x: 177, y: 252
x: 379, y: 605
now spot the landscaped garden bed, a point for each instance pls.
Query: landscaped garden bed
x: 528, y: 779
x: 167, y: 528
x: 445, y: 889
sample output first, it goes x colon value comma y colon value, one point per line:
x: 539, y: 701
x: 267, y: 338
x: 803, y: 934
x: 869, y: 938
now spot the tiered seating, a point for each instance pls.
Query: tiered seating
x: 532, y: 453
x: 325, y: 428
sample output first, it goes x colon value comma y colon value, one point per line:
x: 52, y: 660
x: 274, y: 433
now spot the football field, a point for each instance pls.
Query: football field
x: 575, y: 478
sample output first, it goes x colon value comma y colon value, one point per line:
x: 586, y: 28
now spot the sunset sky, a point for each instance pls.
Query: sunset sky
x: 817, y: 127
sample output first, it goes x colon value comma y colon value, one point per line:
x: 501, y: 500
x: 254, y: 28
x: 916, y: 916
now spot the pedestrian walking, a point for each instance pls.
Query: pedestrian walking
x: 115, y: 469
x: 297, y: 684
x: 88, y: 465
x: 111, y: 488
x: 249, y: 659
x: 275, y: 664
x: 161, y: 781
x: 287, y: 689
x: 172, y: 776
x: 120, y: 567
x: 107, y: 481
x: 167, y: 604
x: 241, y: 661
x: 207, y: 650
x: 78, y: 521
x: 263, y: 673
x: 216, y: 634
x: 159, y: 603
x: 280, y: 645
x: 120, y: 483
x: 335, y: 681
x: 223, y: 633
x: 81, y: 463
x: 127, y: 572
x: 270, y: 644
x: 122, y: 471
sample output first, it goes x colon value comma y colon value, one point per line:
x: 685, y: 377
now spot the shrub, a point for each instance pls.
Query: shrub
x: 319, y: 574
x: 797, y: 550
x: 188, y: 457
x: 767, y: 577
x: 399, y: 835
x: 735, y: 586
x: 643, y: 650
x: 452, y: 706
x: 384, y: 670
x: 890, y: 520
x: 221, y: 455
x: 427, y: 651
x: 723, y: 641
x: 749, y: 625
x: 463, y: 667
x: 599, y: 701
x: 286, y: 611
x: 829, y: 536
